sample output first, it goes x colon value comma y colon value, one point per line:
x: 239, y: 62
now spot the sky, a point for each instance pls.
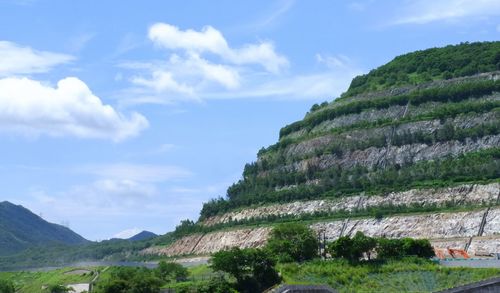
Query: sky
x: 123, y: 116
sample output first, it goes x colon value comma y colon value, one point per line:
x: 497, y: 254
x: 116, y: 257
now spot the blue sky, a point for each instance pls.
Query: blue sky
x: 119, y: 116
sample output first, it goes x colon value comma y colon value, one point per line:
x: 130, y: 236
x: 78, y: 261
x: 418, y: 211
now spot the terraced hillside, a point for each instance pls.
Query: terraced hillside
x: 411, y: 149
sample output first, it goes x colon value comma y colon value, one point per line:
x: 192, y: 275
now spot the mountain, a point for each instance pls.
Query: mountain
x: 144, y: 235
x: 411, y: 149
x: 21, y: 229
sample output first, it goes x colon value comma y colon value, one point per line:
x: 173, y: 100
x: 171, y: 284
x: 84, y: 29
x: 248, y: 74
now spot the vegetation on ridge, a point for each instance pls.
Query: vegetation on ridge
x: 431, y: 64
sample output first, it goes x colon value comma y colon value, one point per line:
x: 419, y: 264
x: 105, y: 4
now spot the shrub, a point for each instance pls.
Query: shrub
x: 293, y: 242
x: 253, y: 269
x: 6, y: 287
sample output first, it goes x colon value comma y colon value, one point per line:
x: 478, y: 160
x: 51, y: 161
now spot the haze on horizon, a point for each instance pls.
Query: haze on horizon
x: 120, y: 118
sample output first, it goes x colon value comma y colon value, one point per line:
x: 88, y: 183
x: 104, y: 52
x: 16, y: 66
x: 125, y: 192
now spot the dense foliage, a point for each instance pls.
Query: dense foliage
x: 451, y: 93
x: 353, y: 248
x: 334, y: 182
x: 171, y: 271
x: 253, y: 269
x: 431, y: 64
x: 292, y: 242
x: 130, y: 280
x: 7, y: 286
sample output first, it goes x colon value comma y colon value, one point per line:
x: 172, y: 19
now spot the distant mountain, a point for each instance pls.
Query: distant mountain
x: 21, y: 229
x: 144, y: 235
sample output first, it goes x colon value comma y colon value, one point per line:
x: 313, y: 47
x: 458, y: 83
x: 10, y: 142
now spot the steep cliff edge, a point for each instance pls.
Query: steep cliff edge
x: 411, y: 149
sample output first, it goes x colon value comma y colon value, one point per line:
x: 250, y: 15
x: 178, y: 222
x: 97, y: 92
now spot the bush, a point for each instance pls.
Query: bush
x: 130, y: 280
x: 293, y: 242
x: 169, y: 271
x: 353, y: 248
x: 6, y: 287
x: 253, y: 269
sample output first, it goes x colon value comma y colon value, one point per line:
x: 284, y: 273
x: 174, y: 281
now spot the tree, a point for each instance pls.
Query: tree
x: 253, y: 269
x: 390, y: 248
x: 6, y: 286
x: 418, y: 247
x: 293, y: 242
x: 169, y: 271
x: 341, y: 248
x: 363, y: 244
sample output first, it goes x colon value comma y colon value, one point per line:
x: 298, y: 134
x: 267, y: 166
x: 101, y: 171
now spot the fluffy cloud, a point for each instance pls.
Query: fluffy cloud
x: 426, y: 11
x: 32, y: 108
x: 203, y: 66
x: 211, y: 40
x: 16, y: 59
x: 199, y: 62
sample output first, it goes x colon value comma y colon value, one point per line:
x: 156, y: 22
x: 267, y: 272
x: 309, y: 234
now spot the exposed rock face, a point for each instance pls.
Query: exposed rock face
x: 462, y: 194
x: 394, y: 155
x: 452, y: 230
x: 213, y: 242
x: 310, y: 146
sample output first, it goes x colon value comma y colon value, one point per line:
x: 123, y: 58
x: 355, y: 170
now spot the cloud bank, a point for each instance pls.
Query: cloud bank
x: 29, y: 107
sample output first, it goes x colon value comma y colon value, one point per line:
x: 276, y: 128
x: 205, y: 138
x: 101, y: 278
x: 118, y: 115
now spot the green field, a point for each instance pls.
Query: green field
x: 28, y: 282
x: 408, y: 275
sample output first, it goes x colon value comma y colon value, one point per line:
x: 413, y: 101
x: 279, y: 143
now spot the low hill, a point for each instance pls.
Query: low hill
x: 21, y: 229
x: 144, y: 235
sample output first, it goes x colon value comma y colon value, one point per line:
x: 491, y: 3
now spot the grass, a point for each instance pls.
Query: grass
x: 407, y: 275
x: 33, y: 281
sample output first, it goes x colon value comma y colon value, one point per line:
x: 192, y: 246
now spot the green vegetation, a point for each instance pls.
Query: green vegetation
x: 335, y: 181
x: 58, y: 289
x: 60, y: 255
x: 450, y: 93
x: 33, y: 281
x: 431, y: 64
x: 292, y: 242
x: 129, y: 280
x: 7, y: 286
x: 21, y: 229
x: 253, y: 269
x: 405, y: 275
x: 346, y: 143
x: 440, y: 111
x: 170, y: 271
x: 356, y: 247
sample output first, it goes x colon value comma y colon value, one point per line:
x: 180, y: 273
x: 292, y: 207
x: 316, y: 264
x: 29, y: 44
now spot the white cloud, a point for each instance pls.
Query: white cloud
x: 125, y: 234
x: 163, y: 82
x: 212, y: 41
x: 32, y: 108
x: 426, y: 11
x: 200, y: 61
x: 203, y: 66
x: 16, y: 59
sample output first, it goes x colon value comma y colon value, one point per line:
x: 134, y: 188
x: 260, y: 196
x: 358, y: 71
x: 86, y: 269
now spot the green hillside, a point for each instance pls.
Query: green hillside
x: 21, y: 229
x: 429, y: 118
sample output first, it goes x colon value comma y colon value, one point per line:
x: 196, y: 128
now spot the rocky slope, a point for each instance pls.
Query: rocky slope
x: 417, y: 139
